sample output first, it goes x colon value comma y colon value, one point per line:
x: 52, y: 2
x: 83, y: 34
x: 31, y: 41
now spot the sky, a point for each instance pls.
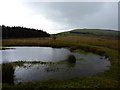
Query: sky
x: 55, y: 17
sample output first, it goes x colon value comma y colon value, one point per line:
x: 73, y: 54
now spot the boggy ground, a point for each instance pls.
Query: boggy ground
x: 107, y: 46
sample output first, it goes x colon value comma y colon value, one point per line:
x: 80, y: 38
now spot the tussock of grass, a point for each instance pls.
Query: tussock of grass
x: 71, y: 59
x: 8, y: 73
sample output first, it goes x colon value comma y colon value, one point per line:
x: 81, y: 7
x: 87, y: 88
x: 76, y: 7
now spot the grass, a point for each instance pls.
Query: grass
x: 107, y: 46
x: 108, y: 42
x: 71, y: 59
x: 21, y: 63
x: 91, y: 32
x: 8, y: 73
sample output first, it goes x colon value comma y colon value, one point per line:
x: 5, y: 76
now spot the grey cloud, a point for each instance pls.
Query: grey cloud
x: 78, y: 14
x: 55, y: 10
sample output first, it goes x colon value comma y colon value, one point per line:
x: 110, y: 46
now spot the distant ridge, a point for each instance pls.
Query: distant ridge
x: 95, y: 32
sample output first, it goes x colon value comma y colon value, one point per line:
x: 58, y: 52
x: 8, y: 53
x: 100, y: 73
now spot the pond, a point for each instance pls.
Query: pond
x: 46, y: 54
x: 87, y: 64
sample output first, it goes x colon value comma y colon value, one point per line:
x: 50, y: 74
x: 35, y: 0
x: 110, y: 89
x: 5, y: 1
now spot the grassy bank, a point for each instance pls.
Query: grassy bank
x: 108, y: 42
x: 100, y: 45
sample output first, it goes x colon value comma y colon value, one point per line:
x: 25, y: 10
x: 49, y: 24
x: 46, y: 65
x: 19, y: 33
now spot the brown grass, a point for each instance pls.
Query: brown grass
x: 108, y: 42
x: 93, y: 40
x: 107, y: 79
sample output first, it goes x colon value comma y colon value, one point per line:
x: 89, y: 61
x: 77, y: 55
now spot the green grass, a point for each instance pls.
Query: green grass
x: 103, y: 46
x: 21, y: 63
x: 90, y: 32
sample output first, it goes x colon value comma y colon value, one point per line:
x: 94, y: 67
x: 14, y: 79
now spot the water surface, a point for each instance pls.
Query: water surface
x: 86, y: 65
x: 46, y: 54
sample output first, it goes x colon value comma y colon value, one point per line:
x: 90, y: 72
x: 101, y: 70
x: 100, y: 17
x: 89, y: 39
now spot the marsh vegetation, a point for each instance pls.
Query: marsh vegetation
x: 63, y: 64
x: 105, y: 46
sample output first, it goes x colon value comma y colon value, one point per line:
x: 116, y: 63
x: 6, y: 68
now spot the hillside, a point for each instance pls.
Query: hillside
x: 95, y: 32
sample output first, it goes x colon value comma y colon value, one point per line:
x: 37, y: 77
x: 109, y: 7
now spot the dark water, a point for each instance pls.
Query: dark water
x: 86, y: 65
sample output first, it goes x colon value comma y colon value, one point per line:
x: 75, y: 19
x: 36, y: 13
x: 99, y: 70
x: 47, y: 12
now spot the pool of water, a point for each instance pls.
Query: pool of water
x: 86, y: 65
x: 46, y: 54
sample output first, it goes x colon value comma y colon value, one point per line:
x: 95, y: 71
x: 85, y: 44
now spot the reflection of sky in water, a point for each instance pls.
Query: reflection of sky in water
x: 0, y: 56
x: 39, y: 54
x: 39, y: 72
x: 91, y: 65
x: 34, y: 54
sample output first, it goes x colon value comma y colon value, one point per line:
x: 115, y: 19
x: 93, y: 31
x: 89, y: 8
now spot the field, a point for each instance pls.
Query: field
x: 102, y: 45
x: 108, y: 42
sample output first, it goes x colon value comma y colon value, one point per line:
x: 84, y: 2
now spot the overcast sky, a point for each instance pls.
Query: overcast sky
x: 55, y: 17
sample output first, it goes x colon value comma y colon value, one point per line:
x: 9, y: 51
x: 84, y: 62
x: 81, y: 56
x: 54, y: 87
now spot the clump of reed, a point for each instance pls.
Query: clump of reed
x: 71, y: 59
x: 8, y: 73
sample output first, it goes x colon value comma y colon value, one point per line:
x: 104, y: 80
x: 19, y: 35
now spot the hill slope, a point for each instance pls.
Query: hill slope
x: 96, y: 32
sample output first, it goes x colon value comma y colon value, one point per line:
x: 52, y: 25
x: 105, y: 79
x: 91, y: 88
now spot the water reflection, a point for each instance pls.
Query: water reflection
x: 39, y: 72
x: 85, y: 64
x: 70, y: 65
x: 45, y: 54
x: 52, y: 68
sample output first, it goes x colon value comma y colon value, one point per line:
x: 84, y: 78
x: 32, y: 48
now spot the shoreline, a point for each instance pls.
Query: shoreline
x: 107, y: 79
